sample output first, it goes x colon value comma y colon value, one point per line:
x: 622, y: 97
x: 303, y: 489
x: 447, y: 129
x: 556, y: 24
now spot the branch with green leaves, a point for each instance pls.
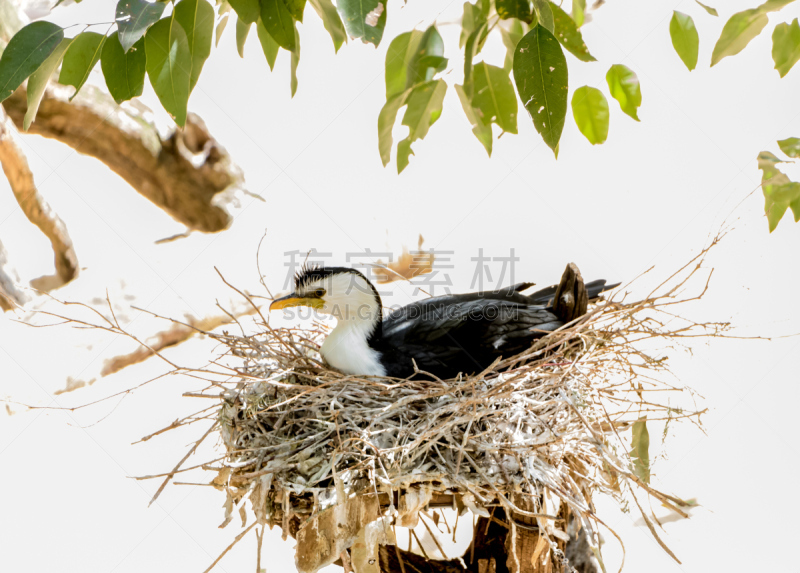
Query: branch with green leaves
x: 169, y: 42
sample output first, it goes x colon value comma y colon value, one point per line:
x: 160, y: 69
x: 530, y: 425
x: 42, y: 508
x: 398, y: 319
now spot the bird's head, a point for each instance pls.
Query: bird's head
x: 343, y: 293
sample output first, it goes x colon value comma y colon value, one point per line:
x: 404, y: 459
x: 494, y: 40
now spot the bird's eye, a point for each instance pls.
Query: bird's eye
x: 320, y: 292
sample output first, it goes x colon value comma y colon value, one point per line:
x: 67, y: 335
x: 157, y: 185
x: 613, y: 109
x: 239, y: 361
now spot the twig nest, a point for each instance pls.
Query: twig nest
x: 335, y: 460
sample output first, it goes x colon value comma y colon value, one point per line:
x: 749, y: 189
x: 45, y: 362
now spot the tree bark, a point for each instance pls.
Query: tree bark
x: 492, y: 551
x: 188, y: 174
x: 15, y: 166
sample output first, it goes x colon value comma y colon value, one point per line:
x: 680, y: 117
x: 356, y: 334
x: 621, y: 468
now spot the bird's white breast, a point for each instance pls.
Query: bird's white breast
x: 346, y: 349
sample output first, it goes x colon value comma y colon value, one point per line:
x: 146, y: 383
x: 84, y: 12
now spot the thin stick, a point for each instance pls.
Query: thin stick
x: 229, y: 547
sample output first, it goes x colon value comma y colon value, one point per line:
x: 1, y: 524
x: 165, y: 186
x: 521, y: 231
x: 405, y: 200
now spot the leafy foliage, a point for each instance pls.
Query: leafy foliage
x: 248, y: 11
x: 540, y: 71
x: 685, y: 39
x: 568, y: 34
x: 133, y: 19
x: 25, y: 53
x: 364, y: 19
x: 590, y: 109
x: 82, y: 55
x: 124, y: 72
x: 412, y: 61
x: 519, y: 9
x: 743, y: 27
x: 167, y: 50
x: 708, y: 9
x: 279, y: 23
x: 196, y: 17
x: 268, y: 45
x: 786, y: 46
x: 780, y: 193
x: 38, y: 81
x: 624, y: 87
x: 170, y: 42
x: 790, y: 146
x: 331, y: 20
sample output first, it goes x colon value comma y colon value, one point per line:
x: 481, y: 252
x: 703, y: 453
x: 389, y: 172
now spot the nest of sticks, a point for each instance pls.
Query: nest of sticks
x: 337, y: 460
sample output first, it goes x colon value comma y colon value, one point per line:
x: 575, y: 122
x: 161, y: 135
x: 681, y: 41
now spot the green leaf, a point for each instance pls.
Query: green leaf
x: 511, y: 38
x: 39, y: 79
x: 590, y: 110
x: 423, y: 108
x: 520, y: 9
x: 134, y: 17
x: 399, y: 54
x: 81, y: 57
x: 124, y: 72
x: 624, y: 87
x: 269, y: 46
x: 331, y: 20
x: 386, y: 119
x: 773, y: 5
x: 780, y: 193
x: 544, y: 14
x: 412, y: 58
x: 169, y: 64
x: 684, y: 38
x: 540, y: 72
x: 786, y: 46
x: 364, y: 19
x: 579, y: 12
x: 196, y: 17
x: 25, y: 52
x: 247, y: 10
x: 640, y: 450
x: 472, y: 48
x: 242, y: 30
x: 475, y: 16
x: 294, y: 63
x: 482, y: 131
x: 494, y: 97
x: 743, y: 27
x: 708, y: 9
x: 296, y: 8
x: 223, y: 22
x: 790, y: 146
x: 279, y: 23
x: 566, y: 32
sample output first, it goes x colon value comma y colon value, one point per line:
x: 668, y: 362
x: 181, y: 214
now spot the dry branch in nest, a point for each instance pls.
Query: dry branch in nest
x: 338, y: 461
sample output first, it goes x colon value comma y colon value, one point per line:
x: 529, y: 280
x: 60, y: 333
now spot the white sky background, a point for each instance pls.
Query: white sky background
x: 652, y: 195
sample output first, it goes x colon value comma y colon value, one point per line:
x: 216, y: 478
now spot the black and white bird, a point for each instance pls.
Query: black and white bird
x: 443, y: 335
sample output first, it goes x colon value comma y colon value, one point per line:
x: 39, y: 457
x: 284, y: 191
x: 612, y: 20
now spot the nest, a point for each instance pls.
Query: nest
x: 338, y: 460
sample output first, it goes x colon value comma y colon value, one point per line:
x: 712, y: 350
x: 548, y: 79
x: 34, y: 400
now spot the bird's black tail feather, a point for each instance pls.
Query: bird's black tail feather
x: 593, y: 289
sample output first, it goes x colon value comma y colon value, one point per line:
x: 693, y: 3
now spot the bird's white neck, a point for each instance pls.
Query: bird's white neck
x: 347, y: 348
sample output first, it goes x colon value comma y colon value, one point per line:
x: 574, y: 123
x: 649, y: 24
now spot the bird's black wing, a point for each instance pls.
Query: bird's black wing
x: 462, y: 333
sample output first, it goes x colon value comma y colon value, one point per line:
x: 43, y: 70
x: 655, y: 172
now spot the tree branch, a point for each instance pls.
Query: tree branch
x: 188, y: 174
x: 19, y: 175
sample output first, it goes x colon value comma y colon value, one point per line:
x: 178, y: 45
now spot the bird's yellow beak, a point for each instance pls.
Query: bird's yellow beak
x: 294, y: 300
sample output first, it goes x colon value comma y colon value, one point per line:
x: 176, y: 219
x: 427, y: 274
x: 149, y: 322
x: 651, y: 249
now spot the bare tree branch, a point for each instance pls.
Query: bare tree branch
x: 188, y: 174
x: 19, y: 175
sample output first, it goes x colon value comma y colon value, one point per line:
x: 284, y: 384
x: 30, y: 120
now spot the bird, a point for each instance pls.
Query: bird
x: 441, y: 336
